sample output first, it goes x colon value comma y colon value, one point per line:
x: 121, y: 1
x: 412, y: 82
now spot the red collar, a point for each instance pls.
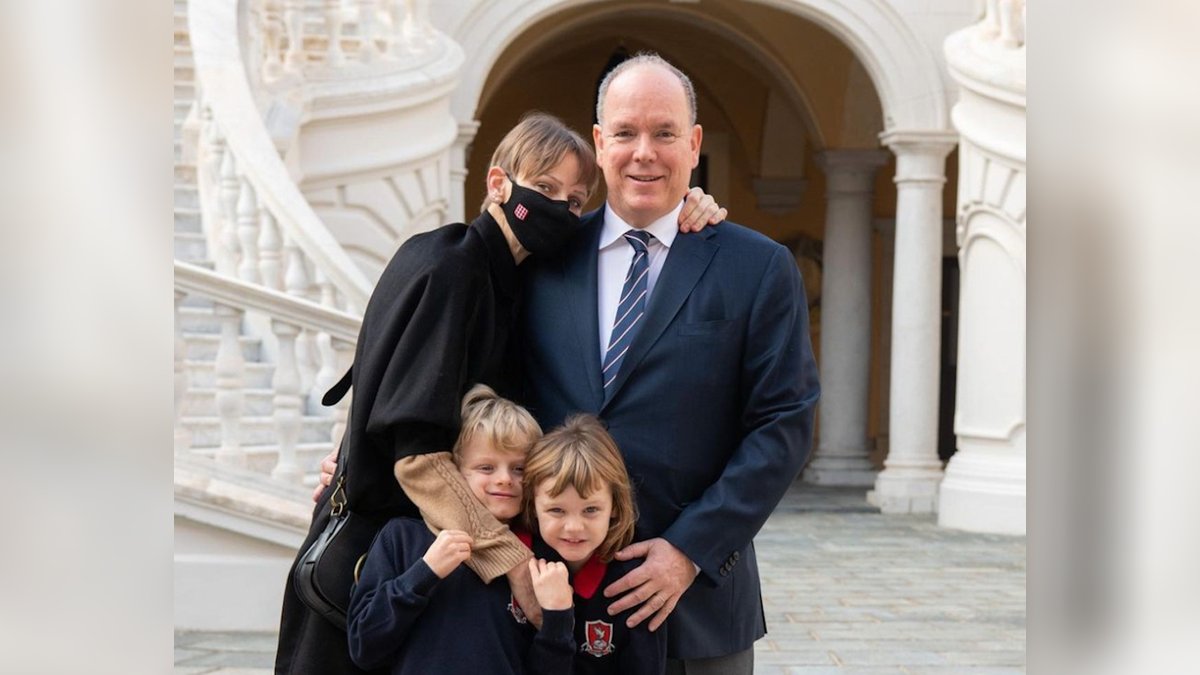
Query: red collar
x: 586, y: 580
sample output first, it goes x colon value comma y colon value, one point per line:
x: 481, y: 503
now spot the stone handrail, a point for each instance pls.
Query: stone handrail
x: 226, y: 90
x: 194, y: 280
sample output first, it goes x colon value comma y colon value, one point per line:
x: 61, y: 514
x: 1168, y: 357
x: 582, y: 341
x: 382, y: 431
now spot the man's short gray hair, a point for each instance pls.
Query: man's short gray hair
x: 646, y: 59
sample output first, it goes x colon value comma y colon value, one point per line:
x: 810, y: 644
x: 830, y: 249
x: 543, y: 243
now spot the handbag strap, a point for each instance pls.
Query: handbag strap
x: 340, y: 499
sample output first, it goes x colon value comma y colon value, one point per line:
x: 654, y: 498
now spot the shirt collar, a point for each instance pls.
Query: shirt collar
x: 664, y: 229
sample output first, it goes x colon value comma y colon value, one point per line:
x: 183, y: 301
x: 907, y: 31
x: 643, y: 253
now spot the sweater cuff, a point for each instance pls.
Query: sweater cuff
x: 499, y: 559
x: 423, y: 578
x: 558, y: 624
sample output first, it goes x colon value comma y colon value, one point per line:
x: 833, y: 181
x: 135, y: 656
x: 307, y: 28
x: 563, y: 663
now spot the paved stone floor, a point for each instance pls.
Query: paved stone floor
x: 846, y: 591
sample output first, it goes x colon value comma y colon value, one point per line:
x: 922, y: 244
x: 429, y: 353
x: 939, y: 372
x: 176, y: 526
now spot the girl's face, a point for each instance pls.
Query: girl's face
x: 494, y: 476
x: 570, y: 524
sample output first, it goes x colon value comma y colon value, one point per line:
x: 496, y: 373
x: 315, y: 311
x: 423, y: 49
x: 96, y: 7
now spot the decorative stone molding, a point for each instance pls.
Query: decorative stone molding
x: 984, y: 488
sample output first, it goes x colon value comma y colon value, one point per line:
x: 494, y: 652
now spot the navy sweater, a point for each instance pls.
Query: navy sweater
x: 603, y: 644
x: 404, y: 617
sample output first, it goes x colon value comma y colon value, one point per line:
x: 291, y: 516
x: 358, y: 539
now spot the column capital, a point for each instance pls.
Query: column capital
x: 920, y: 155
x: 850, y: 170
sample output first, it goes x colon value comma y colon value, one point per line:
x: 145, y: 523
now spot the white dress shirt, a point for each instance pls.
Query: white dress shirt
x: 615, y: 256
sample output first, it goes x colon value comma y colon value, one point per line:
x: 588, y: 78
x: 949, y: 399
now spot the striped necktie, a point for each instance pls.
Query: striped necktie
x: 631, y: 307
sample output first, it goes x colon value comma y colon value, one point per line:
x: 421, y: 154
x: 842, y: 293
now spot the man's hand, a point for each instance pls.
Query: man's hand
x: 656, y: 585
x: 447, y: 552
x: 521, y: 583
x: 328, y: 468
x: 699, y: 209
x: 551, y: 584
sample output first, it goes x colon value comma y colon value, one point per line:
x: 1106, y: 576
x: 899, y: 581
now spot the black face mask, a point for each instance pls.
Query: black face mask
x: 542, y: 225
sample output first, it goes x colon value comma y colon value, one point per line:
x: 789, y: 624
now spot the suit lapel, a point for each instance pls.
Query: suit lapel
x: 686, y: 261
x: 579, y: 279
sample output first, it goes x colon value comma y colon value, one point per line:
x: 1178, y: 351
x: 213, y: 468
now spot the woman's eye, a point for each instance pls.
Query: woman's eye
x: 575, y: 203
x: 544, y: 187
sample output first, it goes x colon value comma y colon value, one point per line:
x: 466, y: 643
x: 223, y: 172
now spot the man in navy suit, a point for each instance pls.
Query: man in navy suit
x: 694, y: 349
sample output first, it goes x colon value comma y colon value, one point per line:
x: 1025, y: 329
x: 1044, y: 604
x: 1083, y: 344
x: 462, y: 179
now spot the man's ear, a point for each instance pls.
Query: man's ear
x: 598, y: 142
x: 697, y: 136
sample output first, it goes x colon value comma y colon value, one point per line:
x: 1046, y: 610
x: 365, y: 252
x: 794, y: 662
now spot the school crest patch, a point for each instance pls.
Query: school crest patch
x: 598, y: 638
x: 514, y: 608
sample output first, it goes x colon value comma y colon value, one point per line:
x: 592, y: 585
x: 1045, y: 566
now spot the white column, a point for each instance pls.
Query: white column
x: 841, y: 457
x: 458, y: 173
x: 912, y: 470
x: 985, y: 484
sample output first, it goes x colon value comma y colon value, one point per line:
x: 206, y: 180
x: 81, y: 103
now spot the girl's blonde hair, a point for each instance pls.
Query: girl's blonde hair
x: 581, y: 454
x: 505, y: 424
x: 537, y: 144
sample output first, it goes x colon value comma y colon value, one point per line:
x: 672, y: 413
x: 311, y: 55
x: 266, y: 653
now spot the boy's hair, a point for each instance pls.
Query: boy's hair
x: 537, y: 144
x: 505, y: 424
x: 583, y: 455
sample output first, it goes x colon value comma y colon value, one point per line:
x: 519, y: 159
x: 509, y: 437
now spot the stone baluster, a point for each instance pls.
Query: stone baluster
x: 368, y: 50
x: 182, y: 438
x: 334, y: 56
x: 272, y: 34
x: 214, y: 142
x: 270, y: 249
x: 395, y: 37
x: 991, y: 19
x: 287, y: 402
x: 293, y: 20
x: 247, y: 232
x: 297, y: 284
x: 228, y: 193
x: 344, y: 358
x: 230, y: 371
x: 1012, y: 25
x: 327, y: 373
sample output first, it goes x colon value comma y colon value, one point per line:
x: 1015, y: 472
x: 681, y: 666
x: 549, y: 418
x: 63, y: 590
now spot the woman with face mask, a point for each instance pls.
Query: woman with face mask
x: 438, y: 321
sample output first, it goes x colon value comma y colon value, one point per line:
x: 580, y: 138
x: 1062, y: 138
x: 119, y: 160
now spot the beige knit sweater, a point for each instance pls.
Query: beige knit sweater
x: 434, y: 484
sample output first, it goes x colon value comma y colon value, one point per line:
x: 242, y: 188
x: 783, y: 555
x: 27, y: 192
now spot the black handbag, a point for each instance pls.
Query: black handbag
x: 327, y: 572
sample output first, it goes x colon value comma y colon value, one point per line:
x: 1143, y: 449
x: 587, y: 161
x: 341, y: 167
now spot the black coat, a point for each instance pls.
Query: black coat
x: 437, y: 322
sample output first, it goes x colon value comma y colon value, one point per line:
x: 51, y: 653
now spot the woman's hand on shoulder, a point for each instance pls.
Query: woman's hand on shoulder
x: 699, y: 210
x: 551, y: 584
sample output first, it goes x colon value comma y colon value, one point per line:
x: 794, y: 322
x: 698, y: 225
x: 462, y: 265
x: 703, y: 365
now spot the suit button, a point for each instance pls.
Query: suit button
x: 736, y: 555
x: 724, y: 572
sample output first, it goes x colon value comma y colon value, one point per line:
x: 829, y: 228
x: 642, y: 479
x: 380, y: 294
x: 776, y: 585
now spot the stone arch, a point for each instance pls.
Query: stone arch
x: 901, y: 67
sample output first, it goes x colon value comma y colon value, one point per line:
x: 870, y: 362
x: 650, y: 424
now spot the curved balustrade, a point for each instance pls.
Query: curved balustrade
x: 290, y: 316
x: 249, y: 171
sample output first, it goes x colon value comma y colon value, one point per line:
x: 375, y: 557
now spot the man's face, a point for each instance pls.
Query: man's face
x: 646, y: 145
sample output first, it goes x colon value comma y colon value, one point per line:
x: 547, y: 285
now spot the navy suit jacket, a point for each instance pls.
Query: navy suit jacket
x: 712, y: 409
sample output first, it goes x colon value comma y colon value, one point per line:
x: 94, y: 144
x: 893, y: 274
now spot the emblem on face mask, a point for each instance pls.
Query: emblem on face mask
x: 598, y: 638
x: 520, y: 212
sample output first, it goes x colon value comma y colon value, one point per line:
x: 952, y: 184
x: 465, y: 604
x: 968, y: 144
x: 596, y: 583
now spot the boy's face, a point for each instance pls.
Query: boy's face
x: 570, y: 524
x: 494, y: 476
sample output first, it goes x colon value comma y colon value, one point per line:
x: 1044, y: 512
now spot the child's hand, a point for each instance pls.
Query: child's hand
x: 550, y: 584
x: 448, y: 551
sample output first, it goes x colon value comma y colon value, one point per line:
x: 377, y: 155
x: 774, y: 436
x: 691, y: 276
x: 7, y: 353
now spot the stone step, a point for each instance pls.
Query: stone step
x: 184, y: 91
x: 203, y: 346
x: 198, y: 319
x: 254, y: 430
x: 187, y: 219
x: 186, y: 197
x: 202, y: 402
x: 263, y: 458
x: 181, y: 109
x: 202, y: 374
x: 185, y: 173
x: 190, y: 246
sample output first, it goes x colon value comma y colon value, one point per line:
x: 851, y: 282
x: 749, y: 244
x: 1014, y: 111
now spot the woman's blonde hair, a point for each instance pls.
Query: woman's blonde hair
x: 505, y: 424
x: 581, y: 454
x: 537, y: 144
